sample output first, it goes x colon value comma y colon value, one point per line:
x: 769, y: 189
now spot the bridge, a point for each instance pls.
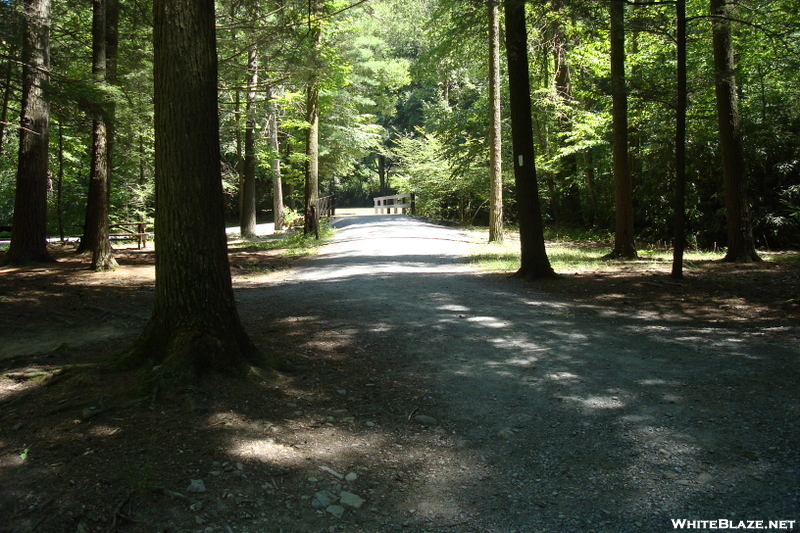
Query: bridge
x: 401, y: 203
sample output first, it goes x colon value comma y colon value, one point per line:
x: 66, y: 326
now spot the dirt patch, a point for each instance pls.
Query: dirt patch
x: 83, y: 449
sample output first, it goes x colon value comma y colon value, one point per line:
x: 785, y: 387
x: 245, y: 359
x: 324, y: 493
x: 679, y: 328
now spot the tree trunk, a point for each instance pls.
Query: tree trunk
x: 312, y: 136
x: 29, y: 225
x: 634, y: 131
x: 679, y: 242
x: 382, y: 182
x: 277, y: 182
x: 624, y: 246
x: 98, y: 171
x: 290, y: 188
x: 741, y: 244
x: 533, y: 261
x: 495, y: 128
x: 95, y: 231
x: 102, y: 254
x: 60, y: 184
x: 247, y: 215
x: 195, y: 327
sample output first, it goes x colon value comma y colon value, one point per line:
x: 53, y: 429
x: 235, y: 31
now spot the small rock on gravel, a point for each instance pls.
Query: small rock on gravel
x: 351, y: 500
x: 323, y: 499
x: 332, y: 472
x: 425, y: 420
x: 704, y: 478
x: 196, y: 485
x: 335, y: 510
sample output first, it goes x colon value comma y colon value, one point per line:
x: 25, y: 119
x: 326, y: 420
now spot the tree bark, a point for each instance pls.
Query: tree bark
x: 495, y: 128
x: 533, y: 257
x: 290, y: 189
x: 247, y: 215
x: 679, y: 241
x: 95, y: 231
x: 60, y: 184
x: 29, y: 225
x: 312, y: 135
x: 277, y: 181
x: 383, y: 184
x: 102, y: 254
x: 741, y: 244
x: 195, y: 327
x: 624, y: 246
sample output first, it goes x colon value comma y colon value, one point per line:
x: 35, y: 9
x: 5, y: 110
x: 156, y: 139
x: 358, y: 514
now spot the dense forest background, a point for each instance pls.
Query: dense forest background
x: 404, y: 105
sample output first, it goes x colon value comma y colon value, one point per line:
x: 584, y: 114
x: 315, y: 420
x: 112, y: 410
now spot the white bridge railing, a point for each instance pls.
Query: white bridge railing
x: 401, y: 203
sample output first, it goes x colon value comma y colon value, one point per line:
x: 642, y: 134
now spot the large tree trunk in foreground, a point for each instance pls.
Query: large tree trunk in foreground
x: 195, y: 327
x: 533, y: 259
x: 624, y: 246
x: 495, y: 128
x: 741, y: 244
x: 29, y: 234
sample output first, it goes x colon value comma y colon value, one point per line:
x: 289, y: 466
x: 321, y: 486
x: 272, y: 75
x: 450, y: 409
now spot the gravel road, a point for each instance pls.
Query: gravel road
x: 536, y: 415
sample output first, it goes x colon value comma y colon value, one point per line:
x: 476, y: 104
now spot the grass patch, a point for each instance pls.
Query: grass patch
x: 293, y: 243
x: 788, y: 259
x: 576, y: 256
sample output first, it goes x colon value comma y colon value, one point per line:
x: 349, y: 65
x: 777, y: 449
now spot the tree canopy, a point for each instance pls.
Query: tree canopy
x: 396, y: 74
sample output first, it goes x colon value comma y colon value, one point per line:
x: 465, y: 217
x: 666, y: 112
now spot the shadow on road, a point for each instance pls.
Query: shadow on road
x: 571, y: 419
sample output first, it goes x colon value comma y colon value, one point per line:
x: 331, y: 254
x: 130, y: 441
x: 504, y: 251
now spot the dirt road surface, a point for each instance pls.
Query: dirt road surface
x: 429, y: 397
x: 559, y: 418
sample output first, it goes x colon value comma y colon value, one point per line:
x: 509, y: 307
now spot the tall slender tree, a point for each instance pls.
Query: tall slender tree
x: 624, y: 246
x: 312, y: 117
x: 277, y: 180
x: 495, y: 127
x: 195, y: 326
x: 95, y: 232
x: 741, y: 244
x: 247, y: 215
x: 533, y: 261
x: 679, y: 241
x: 29, y: 225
